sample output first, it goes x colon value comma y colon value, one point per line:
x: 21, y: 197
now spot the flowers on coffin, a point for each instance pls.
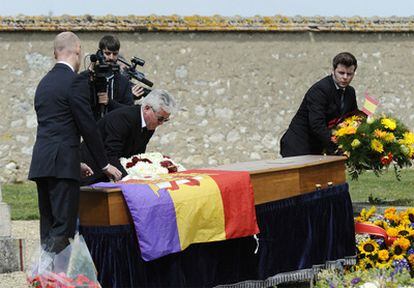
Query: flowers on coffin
x: 149, y: 166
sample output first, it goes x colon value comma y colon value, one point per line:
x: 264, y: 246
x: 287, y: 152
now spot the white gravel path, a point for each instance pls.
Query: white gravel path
x: 29, y: 231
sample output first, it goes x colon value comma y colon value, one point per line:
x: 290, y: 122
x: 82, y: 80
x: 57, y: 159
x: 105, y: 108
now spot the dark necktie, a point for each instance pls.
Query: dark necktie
x: 342, y: 100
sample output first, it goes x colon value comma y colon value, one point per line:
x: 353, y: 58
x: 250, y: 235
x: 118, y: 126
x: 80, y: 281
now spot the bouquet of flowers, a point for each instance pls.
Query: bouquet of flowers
x: 72, y: 267
x: 374, y: 143
x: 385, y: 241
x: 148, y: 166
x: 373, y: 278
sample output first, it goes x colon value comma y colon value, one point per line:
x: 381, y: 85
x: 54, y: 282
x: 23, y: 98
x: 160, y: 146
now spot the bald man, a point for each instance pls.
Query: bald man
x: 63, y: 116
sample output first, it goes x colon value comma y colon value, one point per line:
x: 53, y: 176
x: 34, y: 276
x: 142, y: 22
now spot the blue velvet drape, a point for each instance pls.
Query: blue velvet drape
x: 295, y: 234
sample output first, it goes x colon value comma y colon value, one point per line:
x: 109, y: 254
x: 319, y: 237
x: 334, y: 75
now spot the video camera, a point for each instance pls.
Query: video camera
x: 99, y: 76
x: 131, y: 72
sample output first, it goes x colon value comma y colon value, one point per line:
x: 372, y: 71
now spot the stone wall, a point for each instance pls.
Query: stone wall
x: 237, y: 91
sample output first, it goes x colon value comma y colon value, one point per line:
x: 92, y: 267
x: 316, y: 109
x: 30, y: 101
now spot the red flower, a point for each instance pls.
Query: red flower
x: 129, y: 164
x: 169, y: 165
x: 386, y: 160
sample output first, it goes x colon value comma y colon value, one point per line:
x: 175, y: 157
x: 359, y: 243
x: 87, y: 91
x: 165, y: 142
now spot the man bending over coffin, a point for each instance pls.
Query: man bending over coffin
x: 126, y: 131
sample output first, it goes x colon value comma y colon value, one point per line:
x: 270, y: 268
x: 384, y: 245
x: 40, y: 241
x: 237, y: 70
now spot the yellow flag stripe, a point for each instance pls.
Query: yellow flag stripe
x: 199, y: 212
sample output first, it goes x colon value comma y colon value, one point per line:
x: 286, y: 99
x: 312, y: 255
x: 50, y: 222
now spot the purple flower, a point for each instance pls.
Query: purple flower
x: 410, y: 251
x: 356, y: 280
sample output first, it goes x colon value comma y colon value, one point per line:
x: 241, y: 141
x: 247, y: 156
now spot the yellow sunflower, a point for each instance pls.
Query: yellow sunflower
x: 389, y: 123
x: 377, y: 146
x: 405, y: 231
x: 364, y: 264
x: 404, y: 243
x: 409, y: 214
x: 384, y: 264
x: 393, y: 218
x: 397, y: 248
x: 368, y: 247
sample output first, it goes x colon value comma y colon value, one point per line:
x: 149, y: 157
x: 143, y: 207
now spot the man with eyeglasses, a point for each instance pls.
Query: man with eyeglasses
x: 327, y: 100
x: 127, y: 131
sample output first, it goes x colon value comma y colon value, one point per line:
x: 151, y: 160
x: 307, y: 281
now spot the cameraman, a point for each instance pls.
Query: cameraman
x: 119, y: 92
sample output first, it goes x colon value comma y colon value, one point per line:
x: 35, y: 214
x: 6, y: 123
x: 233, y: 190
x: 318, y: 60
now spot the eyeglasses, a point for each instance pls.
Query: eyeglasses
x: 161, y: 119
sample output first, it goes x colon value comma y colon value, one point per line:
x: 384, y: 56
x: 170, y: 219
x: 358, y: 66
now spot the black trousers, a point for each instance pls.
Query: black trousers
x: 58, y: 207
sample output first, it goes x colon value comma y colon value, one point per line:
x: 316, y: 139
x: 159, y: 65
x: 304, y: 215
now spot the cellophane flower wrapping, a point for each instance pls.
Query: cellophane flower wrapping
x: 374, y: 143
x: 70, y: 268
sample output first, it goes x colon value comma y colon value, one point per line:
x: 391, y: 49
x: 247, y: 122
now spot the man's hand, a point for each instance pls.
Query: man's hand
x: 86, y: 171
x: 103, y: 98
x: 138, y: 91
x: 113, y: 173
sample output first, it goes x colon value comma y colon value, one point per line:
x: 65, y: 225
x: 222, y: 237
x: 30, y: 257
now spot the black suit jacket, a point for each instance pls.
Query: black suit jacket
x: 123, y: 136
x: 122, y: 94
x: 63, y: 115
x: 308, y: 132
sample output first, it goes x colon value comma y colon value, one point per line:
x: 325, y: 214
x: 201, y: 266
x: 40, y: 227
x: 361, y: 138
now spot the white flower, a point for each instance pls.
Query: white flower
x: 370, y: 285
x: 145, y: 169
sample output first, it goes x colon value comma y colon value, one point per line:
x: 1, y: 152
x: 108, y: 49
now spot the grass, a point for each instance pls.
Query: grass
x: 23, y: 197
x: 384, y: 189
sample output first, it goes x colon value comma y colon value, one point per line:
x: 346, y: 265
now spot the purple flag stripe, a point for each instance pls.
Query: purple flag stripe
x: 154, y: 219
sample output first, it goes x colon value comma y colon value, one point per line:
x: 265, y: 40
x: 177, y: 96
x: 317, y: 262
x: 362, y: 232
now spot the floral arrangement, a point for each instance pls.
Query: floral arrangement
x: 72, y: 267
x: 149, y: 165
x: 372, y: 278
x: 374, y: 143
x: 61, y: 280
x: 394, y: 248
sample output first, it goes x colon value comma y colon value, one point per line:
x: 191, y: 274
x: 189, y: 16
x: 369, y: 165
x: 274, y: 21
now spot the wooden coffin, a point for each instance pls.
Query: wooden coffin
x: 271, y: 179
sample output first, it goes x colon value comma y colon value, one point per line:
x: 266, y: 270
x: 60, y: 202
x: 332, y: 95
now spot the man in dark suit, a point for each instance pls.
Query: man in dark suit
x: 126, y: 131
x: 63, y: 116
x: 324, y: 103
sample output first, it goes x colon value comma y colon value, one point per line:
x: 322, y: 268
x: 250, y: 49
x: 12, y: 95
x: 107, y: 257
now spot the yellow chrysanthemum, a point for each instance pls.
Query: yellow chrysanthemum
x: 368, y: 247
x: 355, y: 143
x: 379, y: 133
x: 389, y: 123
x: 347, y: 130
x: 411, y: 153
x: 377, y: 146
x: 383, y: 255
x: 408, y: 138
x: 389, y: 137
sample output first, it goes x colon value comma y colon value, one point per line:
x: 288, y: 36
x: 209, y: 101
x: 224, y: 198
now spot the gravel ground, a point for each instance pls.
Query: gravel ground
x: 29, y: 231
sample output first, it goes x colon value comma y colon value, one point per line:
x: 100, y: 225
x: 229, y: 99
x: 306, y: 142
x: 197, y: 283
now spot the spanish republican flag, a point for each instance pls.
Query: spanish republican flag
x: 370, y: 104
x: 194, y: 206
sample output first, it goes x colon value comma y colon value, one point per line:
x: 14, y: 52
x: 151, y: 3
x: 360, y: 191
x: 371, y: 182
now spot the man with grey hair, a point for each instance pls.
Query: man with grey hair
x: 62, y: 117
x: 126, y: 131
